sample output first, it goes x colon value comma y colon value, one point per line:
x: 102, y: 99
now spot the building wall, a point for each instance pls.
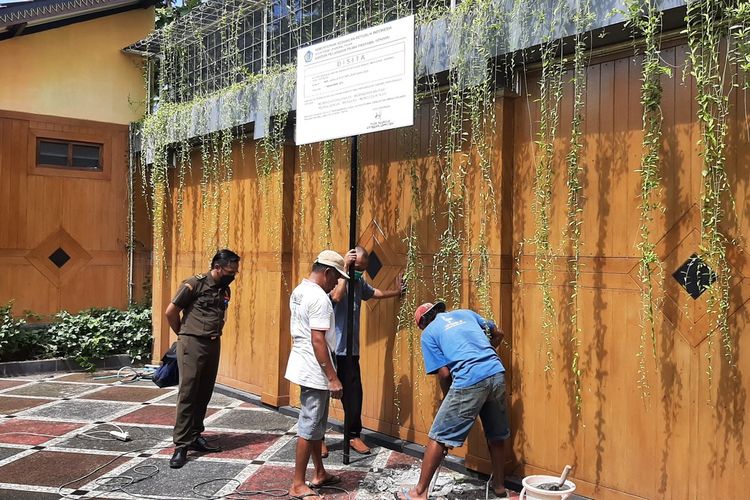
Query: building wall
x: 72, y: 83
x: 78, y: 71
x: 43, y: 209
x: 686, y: 440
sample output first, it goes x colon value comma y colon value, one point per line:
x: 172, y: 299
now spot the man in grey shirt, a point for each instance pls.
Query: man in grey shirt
x: 352, y: 398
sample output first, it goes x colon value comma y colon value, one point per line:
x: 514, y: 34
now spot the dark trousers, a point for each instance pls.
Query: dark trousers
x: 352, y: 398
x: 198, y: 361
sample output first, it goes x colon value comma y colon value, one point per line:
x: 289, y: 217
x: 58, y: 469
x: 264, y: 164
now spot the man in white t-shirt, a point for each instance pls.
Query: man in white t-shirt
x: 310, y: 366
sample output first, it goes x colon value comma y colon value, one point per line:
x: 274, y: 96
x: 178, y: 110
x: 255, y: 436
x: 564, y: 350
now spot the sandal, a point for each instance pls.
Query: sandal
x: 329, y: 481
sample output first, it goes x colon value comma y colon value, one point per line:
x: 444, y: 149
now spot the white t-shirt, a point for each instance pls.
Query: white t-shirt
x: 311, y: 310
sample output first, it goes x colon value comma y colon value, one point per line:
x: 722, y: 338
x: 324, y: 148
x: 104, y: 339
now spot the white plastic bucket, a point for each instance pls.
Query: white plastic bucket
x: 531, y: 492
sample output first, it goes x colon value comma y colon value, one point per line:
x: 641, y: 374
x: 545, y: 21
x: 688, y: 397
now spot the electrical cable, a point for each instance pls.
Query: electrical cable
x: 142, y: 472
x: 92, y: 434
x: 336, y: 488
x: 22, y: 433
x: 271, y: 492
x: 135, y: 375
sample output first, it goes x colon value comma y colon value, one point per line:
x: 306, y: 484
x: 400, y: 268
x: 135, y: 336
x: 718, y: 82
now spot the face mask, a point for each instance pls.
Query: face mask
x: 358, y: 274
x: 224, y: 281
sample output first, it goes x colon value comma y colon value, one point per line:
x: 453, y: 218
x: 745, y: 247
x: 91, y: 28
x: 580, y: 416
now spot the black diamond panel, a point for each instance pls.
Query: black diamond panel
x: 374, y: 265
x: 59, y: 257
x: 695, y: 276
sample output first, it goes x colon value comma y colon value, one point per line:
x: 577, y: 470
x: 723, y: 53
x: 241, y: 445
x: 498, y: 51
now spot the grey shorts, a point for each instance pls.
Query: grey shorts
x: 461, y: 407
x: 313, y: 413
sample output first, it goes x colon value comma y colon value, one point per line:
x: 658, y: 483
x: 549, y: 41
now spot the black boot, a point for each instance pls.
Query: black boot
x: 200, y: 444
x: 179, y: 457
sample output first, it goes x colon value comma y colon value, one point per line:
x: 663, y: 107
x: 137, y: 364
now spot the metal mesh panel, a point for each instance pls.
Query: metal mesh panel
x: 223, y: 42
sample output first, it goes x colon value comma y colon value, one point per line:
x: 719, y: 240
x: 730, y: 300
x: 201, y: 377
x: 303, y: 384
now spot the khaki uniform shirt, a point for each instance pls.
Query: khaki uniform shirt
x: 204, y: 305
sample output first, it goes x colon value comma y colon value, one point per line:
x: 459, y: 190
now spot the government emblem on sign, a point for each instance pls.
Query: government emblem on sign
x: 308, y: 56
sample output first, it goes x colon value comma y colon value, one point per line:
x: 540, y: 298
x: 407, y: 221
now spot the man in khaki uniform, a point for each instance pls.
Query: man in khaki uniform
x: 202, y: 299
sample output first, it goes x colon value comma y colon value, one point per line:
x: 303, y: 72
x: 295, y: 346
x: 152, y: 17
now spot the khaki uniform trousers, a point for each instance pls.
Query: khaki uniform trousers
x: 198, y: 361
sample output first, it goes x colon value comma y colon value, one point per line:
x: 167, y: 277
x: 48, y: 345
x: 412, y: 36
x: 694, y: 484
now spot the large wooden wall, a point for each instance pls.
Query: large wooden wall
x: 686, y: 440
x: 83, y: 213
x: 257, y: 327
x: 672, y: 445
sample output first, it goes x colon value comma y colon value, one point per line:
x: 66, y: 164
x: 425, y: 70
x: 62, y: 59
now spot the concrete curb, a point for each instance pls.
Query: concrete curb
x: 35, y: 367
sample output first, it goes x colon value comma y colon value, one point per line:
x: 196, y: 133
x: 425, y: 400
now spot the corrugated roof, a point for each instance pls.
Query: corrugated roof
x: 18, y: 16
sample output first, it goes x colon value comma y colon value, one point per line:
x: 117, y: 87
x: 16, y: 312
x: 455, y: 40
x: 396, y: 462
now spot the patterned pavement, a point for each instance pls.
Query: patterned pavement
x: 54, y: 443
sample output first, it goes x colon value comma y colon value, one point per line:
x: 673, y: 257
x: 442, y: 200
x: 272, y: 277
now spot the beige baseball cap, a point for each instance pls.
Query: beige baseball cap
x: 332, y: 259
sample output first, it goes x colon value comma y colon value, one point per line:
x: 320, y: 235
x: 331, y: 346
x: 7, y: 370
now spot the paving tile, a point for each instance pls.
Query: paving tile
x: 178, y: 483
x: 154, y: 414
x: 9, y: 452
x: 217, y: 400
x: 142, y: 438
x: 146, y: 382
x: 240, y: 446
x: 6, y: 383
x: 335, y: 454
x: 90, y: 377
x: 10, y: 405
x: 79, y: 409
x: 52, y: 468
x: 269, y: 477
x: 126, y: 393
x: 17, y: 425
x: 48, y: 468
x: 52, y: 390
x: 268, y: 421
x: 7, y: 494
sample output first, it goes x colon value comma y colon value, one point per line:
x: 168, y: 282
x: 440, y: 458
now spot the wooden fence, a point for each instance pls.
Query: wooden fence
x: 673, y: 444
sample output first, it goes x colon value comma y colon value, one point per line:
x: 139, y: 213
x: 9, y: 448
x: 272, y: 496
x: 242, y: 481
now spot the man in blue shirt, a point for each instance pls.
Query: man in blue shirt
x: 459, y: 346
x: 352, y: 398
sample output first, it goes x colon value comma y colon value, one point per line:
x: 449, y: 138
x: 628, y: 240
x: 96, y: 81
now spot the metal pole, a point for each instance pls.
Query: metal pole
x: 131, y: 213
x: 350, y: 290
x: 264, y: 49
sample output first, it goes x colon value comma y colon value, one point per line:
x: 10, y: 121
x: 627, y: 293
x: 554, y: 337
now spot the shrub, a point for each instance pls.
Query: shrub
x: 95, y: 333
x: 18, y: 339
x: 87, y: 336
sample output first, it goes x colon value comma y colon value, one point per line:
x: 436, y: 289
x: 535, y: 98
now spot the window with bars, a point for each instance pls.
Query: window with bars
x: 57, y: 153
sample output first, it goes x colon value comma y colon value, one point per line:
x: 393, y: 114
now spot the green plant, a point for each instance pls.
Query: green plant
x: 583, y: 19
x: 168, y: 13
x: 645, y: 18
x: 550, y: 85
x: 739, y: 30
x: 19, y: 340
x: 87, y: 336
x: 706, y: 27
x: 95, y: 333
x: 327, y: 159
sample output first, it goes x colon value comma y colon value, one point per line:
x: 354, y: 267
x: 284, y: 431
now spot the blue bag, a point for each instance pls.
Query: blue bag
x: 167, y: 374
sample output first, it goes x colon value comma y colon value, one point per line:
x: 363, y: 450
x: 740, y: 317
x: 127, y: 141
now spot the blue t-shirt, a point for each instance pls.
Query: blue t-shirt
x: 362, y: 291
x: 457, y: 340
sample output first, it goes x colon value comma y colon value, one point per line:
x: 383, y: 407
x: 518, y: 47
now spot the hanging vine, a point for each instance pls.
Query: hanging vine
x: 583, y: 19
x: 480, y: 97
x: 645, y: 19
x: 550, y: 85
x: 739, y: 29
x: 327, y: 160
x: 705, y: 31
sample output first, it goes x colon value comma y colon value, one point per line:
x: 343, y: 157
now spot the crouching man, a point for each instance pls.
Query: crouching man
x: 460, y: 347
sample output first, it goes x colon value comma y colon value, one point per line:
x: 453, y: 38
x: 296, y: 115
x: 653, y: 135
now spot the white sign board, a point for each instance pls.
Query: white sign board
x: 358, y: 83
